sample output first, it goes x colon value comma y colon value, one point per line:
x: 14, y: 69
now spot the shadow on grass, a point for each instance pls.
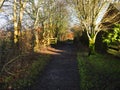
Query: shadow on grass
x: 27, y: 68
x: 99, y: 72
x: 22, y: 71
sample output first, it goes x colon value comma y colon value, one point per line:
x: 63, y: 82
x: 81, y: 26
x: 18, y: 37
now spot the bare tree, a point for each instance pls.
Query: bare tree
x: 59, y: 18
x: 47, y: 15
x: 1, y: 3
x: 90, y: 14
x: 37, y: 10
x: 18, y: 15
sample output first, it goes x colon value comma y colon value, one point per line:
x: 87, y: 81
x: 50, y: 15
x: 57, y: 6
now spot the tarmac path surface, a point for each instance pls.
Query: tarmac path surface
x: 62, y: 71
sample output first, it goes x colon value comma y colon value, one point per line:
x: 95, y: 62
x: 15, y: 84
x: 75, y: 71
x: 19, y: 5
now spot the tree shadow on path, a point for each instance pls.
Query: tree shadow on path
x: 62, y: 72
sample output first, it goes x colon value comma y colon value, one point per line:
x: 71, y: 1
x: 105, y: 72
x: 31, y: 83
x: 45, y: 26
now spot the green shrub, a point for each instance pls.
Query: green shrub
x: 112, y: 39
x: 113, y: 36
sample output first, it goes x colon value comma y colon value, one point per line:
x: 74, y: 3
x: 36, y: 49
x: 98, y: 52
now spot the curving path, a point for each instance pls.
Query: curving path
x: 62, y: 72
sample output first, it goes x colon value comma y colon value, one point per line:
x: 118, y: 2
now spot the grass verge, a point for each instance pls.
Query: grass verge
x: 25, y: 70
x: 99, y: 72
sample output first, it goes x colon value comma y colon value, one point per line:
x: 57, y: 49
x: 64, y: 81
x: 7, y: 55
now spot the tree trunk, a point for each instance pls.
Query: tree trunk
x: 91, y: 46
x: 18, y: 21
x: 1, y: 3
x: 36, y: 25
x: 16, y: 32
x: 92, y: 39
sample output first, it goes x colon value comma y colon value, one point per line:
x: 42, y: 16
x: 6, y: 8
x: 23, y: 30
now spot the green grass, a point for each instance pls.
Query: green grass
x: 99, y: 72
x: 29, y: 74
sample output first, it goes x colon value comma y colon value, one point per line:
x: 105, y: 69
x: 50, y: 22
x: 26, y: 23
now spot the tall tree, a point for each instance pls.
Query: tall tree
x: 47, y: 15
x: 18, y: 15
x: 60, y: 20
x: 90, y: 14
x: 37, y: 10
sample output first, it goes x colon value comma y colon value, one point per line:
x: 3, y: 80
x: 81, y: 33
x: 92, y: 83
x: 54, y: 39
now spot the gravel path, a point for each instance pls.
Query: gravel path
x: 61, y: 73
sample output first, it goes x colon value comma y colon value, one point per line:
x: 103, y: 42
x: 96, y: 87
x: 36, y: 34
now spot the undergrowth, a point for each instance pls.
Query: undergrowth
x: 27, y: 73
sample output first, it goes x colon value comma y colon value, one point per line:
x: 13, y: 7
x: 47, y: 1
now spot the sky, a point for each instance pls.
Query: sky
x: 3, y: 20
x: 4, y: 15
x: 73, y: 20
x: 101, y: 13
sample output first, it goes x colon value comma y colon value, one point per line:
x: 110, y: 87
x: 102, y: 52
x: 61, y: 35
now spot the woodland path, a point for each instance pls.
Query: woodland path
x: 62, y: 72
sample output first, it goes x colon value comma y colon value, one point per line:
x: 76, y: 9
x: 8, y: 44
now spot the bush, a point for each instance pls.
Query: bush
x: 112, y: 39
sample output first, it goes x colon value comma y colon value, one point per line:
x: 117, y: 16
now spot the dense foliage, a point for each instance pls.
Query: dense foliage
x: 113, y: 36
x: 112, y: 39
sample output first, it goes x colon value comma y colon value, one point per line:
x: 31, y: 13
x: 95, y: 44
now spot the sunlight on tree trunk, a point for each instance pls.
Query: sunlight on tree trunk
x: 90, y: 13
x: 1, y: 3
x: 92, y: 46
x: 16, y: 32
x: 18, y: 20
x: 36, y: 31
x: 92, y: 39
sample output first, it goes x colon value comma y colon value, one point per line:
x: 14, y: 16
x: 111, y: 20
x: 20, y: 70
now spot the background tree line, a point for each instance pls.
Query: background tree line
x: 33, y: 24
